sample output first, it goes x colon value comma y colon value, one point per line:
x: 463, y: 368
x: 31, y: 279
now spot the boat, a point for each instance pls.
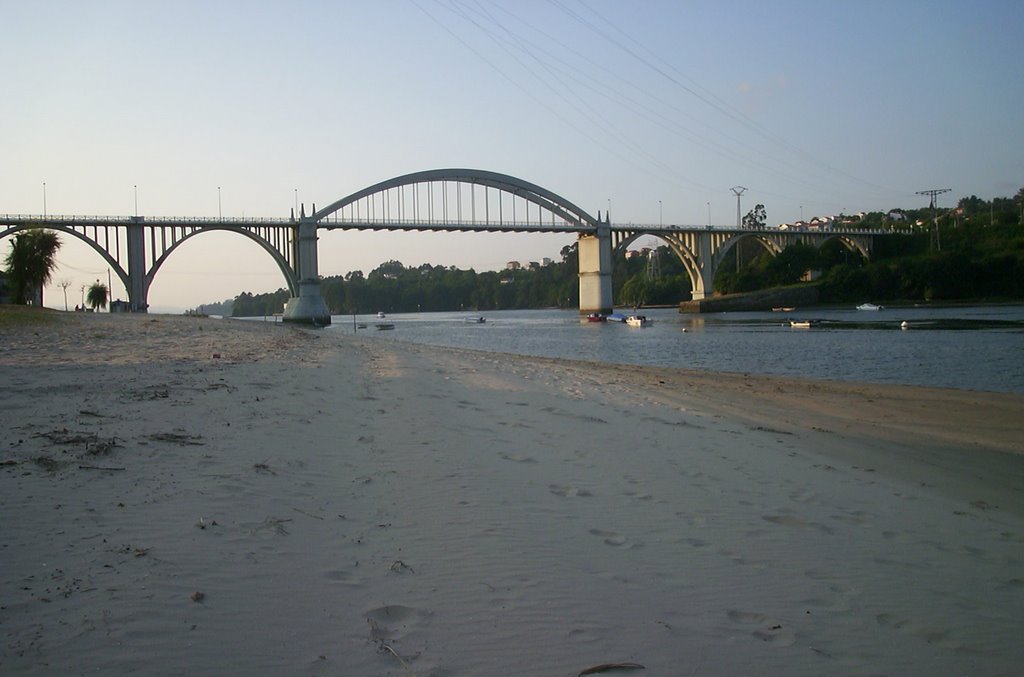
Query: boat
x: 475, y: 319
x: 802, y: 324
x: 380, y: 313
x: 596, y: 317
x: 384, y: 326
x: 615, y: 317
x: 869, y: 306
x: 637, y: 321
x: 783, y: 309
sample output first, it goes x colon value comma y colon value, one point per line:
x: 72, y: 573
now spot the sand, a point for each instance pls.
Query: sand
x: 201, y: 496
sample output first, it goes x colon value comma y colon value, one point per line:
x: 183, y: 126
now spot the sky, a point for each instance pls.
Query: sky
x: 653, y: 110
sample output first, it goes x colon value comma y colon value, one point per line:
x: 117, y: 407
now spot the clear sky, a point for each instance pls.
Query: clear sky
x: 654, y: 108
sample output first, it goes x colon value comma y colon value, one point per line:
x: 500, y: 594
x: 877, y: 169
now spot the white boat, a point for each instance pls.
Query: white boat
x: 637, y: 321
x: 475, y: 319
x: 380, y: 313
x: 869, y: 306
x: 802, y: 324
x: 615, y: 317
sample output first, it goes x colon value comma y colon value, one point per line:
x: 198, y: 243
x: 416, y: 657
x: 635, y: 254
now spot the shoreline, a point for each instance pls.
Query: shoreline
x: 267, y: 499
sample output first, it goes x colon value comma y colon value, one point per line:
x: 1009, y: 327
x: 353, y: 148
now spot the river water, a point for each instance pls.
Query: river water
x: 967, y: 347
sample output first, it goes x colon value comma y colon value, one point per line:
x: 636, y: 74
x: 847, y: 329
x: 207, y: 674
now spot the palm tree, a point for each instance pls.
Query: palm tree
x: 31, y: 262
x: 97, y: 296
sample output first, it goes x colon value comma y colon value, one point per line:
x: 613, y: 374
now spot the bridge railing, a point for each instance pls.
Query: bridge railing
x: 150, y: 220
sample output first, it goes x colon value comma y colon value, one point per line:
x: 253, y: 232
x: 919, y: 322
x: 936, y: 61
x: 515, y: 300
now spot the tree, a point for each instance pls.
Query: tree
x: 755, y: 218
x: 64, y: 284
x: 31, y: 261
x: 97, y: 296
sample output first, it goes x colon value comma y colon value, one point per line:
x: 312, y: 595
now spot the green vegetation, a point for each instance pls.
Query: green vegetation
x: 30, y: 263
x: 96, y: 297
x: 24, y: 316
x: 974, y: 251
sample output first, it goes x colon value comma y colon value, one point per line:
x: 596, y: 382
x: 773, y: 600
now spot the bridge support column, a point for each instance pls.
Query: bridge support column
x: 595, y: 254
x: 309, y: 306
x: 138, y: 290
x: 705, y: 284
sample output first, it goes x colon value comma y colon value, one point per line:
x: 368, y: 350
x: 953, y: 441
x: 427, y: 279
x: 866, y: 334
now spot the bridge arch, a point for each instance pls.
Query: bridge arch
x: 544, y: 199
x: 678, y: 246
x: 282, y: 263
x: 112, y: 262
x: 854, y: 244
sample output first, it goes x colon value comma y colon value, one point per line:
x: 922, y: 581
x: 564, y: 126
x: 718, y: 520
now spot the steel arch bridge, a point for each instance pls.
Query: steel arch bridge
x: 462, y: 200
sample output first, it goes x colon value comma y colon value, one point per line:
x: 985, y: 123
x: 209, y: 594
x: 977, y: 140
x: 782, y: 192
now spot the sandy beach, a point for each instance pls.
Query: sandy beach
x: 203, y: 496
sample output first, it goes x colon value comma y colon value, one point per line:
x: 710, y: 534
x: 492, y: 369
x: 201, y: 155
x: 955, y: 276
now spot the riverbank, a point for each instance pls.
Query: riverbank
x: 199, y: 495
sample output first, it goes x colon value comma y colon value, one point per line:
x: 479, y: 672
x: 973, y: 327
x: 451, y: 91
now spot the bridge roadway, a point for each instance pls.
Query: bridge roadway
x: 452, y: 200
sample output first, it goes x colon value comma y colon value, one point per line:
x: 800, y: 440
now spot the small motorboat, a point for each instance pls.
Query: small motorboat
x: 380, y: 313
x: 783, y: 309
x: 615, y: 317
x: 870, y: 306
x: 637, y: 321
x: 475, y: 319
x: 596, y: 317
x: 802, y: 324
x: 383, y: 326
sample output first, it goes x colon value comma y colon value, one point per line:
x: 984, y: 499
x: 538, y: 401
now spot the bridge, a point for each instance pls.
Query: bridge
x: 459, y: 200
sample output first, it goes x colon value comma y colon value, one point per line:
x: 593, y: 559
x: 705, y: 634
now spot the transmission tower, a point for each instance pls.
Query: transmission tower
x: 739, y: 190
x: 934, y: 234
x: 653, y: 264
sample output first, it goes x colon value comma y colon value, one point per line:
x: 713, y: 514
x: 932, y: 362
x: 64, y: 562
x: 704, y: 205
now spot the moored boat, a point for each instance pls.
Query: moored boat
x: 637, y: 321
x: 596, y: 317
x: 802, y: 324
x: 384, y: 326
x: 475, y: 319
x: 615, y: 317
x: 870, y: 306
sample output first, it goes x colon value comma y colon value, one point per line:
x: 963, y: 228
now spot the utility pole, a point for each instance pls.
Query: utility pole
x: 739, y: 190
x: 935, y: 221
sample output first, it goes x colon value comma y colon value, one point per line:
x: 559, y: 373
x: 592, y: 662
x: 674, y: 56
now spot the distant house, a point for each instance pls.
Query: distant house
x: 513, y: 265
x: 545, y: 262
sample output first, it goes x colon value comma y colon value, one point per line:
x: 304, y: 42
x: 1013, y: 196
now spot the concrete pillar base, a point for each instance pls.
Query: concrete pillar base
x: 308, y: 307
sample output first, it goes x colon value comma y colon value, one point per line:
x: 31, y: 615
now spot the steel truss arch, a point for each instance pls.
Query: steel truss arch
x: 577, y: 219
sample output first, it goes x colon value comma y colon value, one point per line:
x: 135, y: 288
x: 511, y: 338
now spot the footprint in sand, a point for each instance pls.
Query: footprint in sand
x: 515, y: 458
x: 568, y: 491
x: 614, y: 538
x: 392, y: 621
x: 766, y: 630
x: 794, y: 521
x: 343, y: 577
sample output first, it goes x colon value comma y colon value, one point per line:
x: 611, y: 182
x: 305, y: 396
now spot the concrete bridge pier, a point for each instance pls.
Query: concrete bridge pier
x: 138, y: 285
x: 595, y: 254
x: 704, y: 282
x: 309, y: 306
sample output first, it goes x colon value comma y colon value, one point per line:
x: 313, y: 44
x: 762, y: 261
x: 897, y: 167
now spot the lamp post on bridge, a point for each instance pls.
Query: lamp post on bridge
x: 661, y: 216
x: 709, y: 214
x: 44, y: 204
x: 136, y: 189
x: 220, y: 214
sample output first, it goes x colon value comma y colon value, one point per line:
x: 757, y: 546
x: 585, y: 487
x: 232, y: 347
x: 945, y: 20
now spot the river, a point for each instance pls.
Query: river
x: 967, y: 347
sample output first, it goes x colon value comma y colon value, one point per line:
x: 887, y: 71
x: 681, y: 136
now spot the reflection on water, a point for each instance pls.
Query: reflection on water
x: 970, y: 347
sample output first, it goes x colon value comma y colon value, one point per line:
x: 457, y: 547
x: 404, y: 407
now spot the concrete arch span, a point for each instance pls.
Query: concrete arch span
x: 543, y: 198
x: 679, y: 246
x: 282, y: 263
x: 122, y: 274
